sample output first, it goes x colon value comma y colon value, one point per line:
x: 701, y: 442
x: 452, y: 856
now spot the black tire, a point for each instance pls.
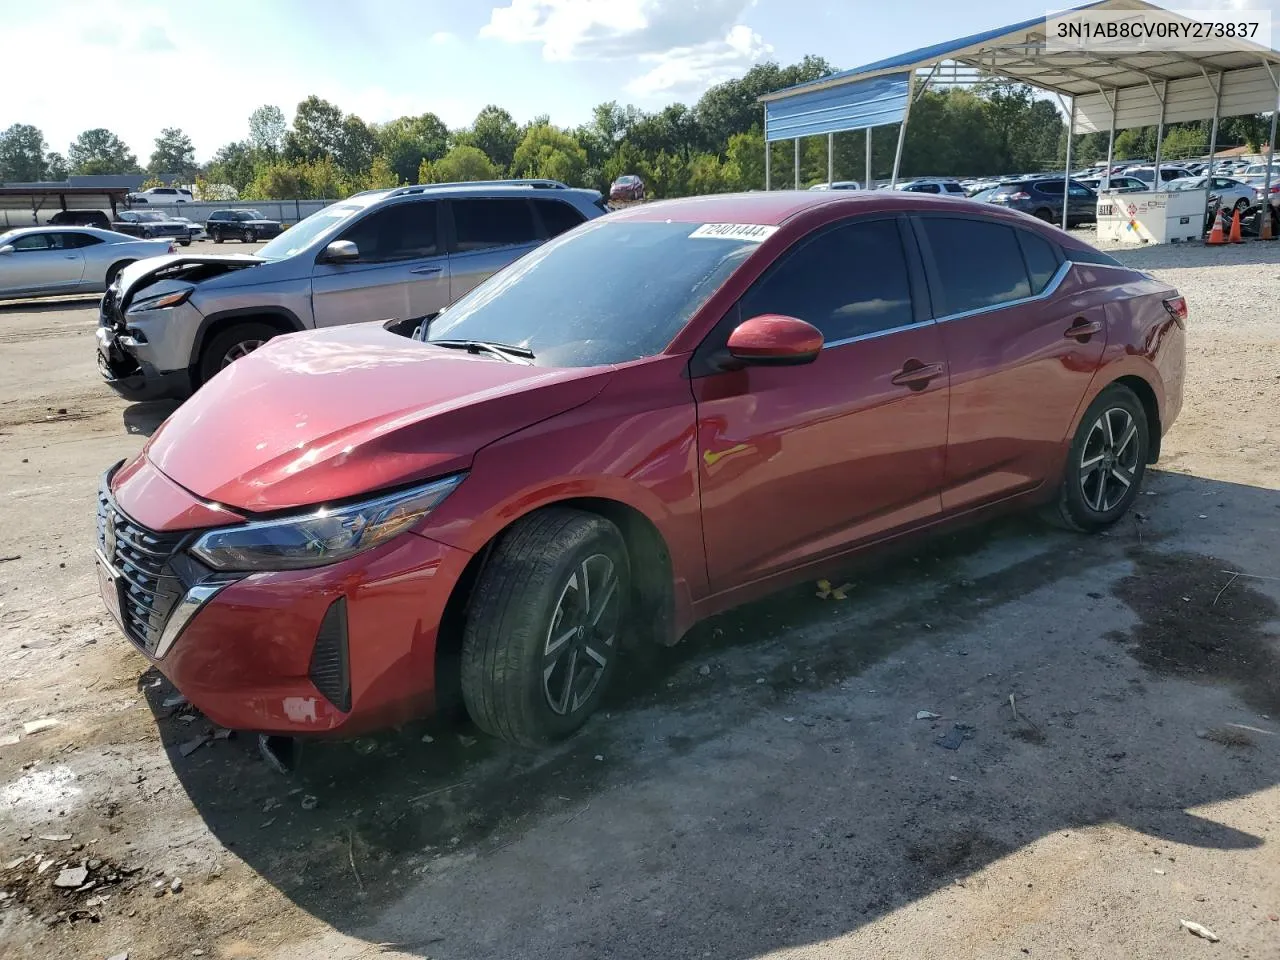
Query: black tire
x: 1241, y: 206
x: 214, y: 352
x: 1045, y: 214
x: 185, y: 243
x: 248, y: 236
x: 1079, y: 504
x: 147, y: 234
x: 114, y: 271
x: 526, y: 590
x: 217, y: 236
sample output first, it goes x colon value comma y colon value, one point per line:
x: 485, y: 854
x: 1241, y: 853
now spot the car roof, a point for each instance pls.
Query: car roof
x: 775, y: 207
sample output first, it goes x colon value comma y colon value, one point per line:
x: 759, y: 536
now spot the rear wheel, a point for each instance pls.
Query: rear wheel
x: 249, y: 236
x: 1106, y: 462
x: 542, y: 638
x: 1045, y: 214
x: 232, y: 344
x: 217, y: 235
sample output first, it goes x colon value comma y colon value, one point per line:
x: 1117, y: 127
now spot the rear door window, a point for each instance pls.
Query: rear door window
x: 404, y: 231
x: 1041, y: 259
x: 481, y: 224
x: 978, y: 264
x: 557, y: 216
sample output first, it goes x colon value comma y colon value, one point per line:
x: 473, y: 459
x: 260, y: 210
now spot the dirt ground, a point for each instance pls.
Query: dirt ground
x: 764, y: 789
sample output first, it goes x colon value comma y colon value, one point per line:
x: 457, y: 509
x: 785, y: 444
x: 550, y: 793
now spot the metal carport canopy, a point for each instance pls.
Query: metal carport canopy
x: 1111, y: 91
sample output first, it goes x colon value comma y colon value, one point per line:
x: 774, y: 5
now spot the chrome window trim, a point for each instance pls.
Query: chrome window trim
x: 878, y: 333
x: 1050, y: 289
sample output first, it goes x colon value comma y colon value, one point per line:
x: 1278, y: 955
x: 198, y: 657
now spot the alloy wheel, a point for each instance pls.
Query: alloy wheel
x: 581, y: 638
x: 1109, y: 460
x: 241, y: 349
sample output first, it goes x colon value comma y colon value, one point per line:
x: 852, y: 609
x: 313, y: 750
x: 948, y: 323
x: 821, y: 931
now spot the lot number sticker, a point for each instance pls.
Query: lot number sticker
x: 754, y: 232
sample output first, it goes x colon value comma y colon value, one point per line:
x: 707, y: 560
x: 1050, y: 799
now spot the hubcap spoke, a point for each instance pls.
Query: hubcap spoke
x: 1126, y: 440
x: 1091, y: 463
x: 580, y: 637
x: 595, y: 655
x: 570, y: 675
x: 1106, y: 426
x: 605, y: 596
x: 1119, y: 474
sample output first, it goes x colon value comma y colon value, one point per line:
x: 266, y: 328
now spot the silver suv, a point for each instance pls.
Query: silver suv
x: 168, y: 324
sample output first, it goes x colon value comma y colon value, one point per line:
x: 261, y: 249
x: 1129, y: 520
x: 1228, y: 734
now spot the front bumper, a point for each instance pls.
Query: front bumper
x: 336, y: 650
x: 133, y: 378
x: 146, y: 359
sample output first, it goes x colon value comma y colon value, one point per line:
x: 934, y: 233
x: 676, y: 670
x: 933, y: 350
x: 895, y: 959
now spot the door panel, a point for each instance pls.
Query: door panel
x: 469, y: 270
x: 487, y: 234
x: 797, y: 463
x: 403, y: 270
x: 36, y: 266
x: 1018, y: 369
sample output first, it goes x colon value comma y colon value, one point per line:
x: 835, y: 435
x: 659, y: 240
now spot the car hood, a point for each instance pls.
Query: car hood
x: 326, y: 415
x: 191, y: 268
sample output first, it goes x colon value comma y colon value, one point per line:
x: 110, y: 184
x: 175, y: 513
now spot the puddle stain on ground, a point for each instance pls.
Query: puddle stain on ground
x: 1196, y: 622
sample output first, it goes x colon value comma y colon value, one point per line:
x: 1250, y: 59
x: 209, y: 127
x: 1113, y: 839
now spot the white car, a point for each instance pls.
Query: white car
x: 838, y: 185
x: 1260, y: 170
x: 162, y: 195
x: 949, y: 187
x: 58, y: 261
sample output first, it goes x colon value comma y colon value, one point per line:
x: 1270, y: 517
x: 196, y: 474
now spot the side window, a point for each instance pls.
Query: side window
x: 405, y: 231
x: 954, y: 188
x: 848, y: 282
x: 979, y: 263
x: 1078, y: 190
x: 1041, y: 258
x: 74, y: 241
x: 499, y: 222
x: 557, y: 216
x: 32, y: 242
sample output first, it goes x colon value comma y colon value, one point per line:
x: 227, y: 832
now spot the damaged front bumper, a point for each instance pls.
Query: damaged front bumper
x: 129, y: 375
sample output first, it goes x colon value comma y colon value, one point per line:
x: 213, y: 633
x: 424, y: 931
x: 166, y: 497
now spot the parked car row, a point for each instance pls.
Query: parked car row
x: 58, y: 261
x: 565, y: 433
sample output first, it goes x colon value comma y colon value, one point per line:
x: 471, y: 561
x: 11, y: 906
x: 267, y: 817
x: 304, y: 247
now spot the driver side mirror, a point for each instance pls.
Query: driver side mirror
x: 341, y: 251
x: 6, y: 250
x: 774, y: 340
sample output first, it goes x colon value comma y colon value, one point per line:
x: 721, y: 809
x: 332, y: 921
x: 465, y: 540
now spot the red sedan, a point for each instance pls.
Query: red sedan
x: 747, y: 391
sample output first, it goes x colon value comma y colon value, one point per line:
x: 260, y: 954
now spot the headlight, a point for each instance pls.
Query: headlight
x: 323, y: 537
x: 164, y: 300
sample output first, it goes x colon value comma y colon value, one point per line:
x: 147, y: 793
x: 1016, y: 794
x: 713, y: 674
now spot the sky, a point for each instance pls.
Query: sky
x: 135, y: 66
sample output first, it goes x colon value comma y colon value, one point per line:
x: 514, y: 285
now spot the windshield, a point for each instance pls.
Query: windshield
x: 607, y: 292
x: 149, y: 217
x: 253, y: 215
x: 300, y: 236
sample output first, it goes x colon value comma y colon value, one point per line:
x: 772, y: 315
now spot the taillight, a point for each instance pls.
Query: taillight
x: 1177, y: 307
x: 1020, y: 195
x: 173, y: 247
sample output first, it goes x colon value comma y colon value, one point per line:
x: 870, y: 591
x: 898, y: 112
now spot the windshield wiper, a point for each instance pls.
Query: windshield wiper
x: 503, y: 350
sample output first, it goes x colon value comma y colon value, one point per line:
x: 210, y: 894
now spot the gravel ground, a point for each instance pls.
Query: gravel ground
x: 761, y: 790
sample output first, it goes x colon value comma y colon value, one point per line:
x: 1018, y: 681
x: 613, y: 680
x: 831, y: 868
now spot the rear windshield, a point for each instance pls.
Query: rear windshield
x: 607, y: 292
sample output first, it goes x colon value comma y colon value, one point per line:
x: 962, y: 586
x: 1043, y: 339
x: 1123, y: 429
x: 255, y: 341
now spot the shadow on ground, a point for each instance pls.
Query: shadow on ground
x: 144, y: 419
x: 774, y: 756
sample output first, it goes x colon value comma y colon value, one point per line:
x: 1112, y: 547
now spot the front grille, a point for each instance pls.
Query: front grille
x: 148, y: 585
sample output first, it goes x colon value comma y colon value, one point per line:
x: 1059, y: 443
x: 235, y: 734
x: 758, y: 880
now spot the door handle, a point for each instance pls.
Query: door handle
x: 426, y: 271
x: 916, y: 375
x: 69, y: 256
x: 1082, y: 330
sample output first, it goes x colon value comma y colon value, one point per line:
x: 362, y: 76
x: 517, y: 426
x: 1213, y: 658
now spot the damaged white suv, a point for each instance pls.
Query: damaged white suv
x: 168, y: 324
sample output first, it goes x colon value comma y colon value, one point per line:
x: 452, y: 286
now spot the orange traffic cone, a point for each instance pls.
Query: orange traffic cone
x: 1217, y: 235
x: 1234, y: 236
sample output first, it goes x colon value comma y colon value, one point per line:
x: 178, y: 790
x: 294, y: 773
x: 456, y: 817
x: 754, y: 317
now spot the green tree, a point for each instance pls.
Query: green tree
x: 462, y: 163
x: 55, y: 166
x: 496, y: 134
x: 174, y: 153
x: 381, y: 175
x: 317, y: 131
x: 303, y: 180
x: 357, y: 147
x: 745, y: 154
x: 22, y: 156
x: 98, y: 152
x: 407, y: 141
x: 267, y: 127
x: 1182, y: 143
x: 709, y: 174
x: 547, y: 151
x: 1136, y: 142
x: 235, y: 164
x: 732, y: 107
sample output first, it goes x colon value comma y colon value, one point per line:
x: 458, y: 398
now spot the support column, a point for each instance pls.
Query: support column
x: 831, y: 159
x: 1066, y: 174
x: 795, y: 173
x: 1213, y: 134
x: 1164, y: 90
x: 869, y: 184
x: 766, y: 147
x: 1264, y: 212
x: 902, y: 131
x: 1111, y: 141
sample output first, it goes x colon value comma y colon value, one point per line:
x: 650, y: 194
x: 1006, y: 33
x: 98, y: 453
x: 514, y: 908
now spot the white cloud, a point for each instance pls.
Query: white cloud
x: 686, y: 45
x: 442, y: 37
x: 693, y: 69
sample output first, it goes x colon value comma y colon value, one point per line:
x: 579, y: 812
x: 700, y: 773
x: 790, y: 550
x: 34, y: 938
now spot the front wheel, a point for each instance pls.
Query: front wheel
x: 1106, y: 462
x: 217, y: 236
x: 542, y: 639
x: 249, y: 236
x: 230, y: 345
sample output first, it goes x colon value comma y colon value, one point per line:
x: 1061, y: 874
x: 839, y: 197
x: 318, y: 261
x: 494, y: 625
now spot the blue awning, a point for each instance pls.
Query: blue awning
x: 856, y: 106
